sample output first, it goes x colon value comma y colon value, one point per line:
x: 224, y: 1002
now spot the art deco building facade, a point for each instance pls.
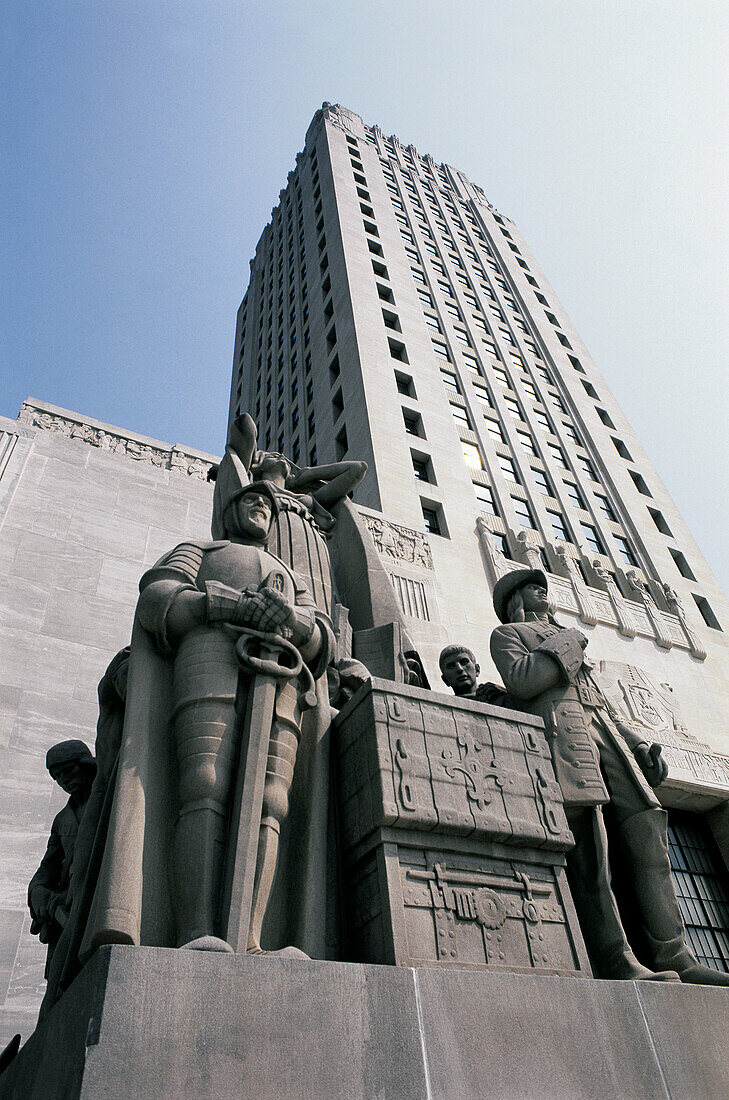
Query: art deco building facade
x: 394, y: 315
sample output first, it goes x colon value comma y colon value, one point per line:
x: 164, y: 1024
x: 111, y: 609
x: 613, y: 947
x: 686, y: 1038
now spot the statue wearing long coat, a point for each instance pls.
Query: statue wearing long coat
x: 542, y: 666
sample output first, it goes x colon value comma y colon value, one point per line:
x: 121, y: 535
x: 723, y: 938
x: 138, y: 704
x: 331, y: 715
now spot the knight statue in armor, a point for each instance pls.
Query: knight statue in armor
x: 544, y: 669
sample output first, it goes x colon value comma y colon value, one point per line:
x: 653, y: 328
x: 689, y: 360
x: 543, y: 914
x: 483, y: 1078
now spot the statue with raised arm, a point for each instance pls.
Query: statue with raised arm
x: 543, y: 665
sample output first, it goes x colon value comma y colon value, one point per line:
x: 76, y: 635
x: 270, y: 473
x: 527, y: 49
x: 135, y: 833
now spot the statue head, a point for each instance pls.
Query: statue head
x: 271, y: 466
x: 248, y: 515
x: 459, y: 669
x: 519, y: 592
x: 71, y: 765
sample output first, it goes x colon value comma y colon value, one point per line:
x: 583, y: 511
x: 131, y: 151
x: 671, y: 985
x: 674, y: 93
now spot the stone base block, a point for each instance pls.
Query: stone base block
x: 150, y: 1022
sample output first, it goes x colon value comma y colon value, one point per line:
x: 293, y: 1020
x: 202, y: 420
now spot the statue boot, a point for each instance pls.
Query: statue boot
x: 644, y: 840
x: 198, y: 848
x: 589, y: 878
x: 280, y: 762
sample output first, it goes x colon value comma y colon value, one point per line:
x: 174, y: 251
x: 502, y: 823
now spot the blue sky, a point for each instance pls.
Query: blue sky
x: 146, y: 142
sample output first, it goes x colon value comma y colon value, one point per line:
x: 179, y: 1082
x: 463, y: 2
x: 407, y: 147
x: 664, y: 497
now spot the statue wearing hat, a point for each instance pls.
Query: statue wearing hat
x: 543, y: 667
x: 228, y: 649
x: 72, y: 766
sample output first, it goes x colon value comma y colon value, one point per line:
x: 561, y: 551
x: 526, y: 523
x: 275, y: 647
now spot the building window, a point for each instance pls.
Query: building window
x: 640, y: 484
x: 392, y: 321
x: 527, y: 443
x: 523, y: 512
x: 604, y: 417
x: 660, y: 522
x: 592, y: 538
x: 508, y: 469
x: 681, y: 564
x: 397, y: 350
x: 559, y: 526
x: 587, y: 467
x: 422, y: 467
x: 543, y: 420
x: 486, y: 501
x: 404, y: 384
x: 542, y: 482
x: 706, y: 612
x: 494, y: 429
x: 482, y: 394
x: 574, y: 494
x: 558, y: 455
x: 622, y: 449
x: 472, y: 455
x: 413, y: 423
x: 461, y: 417
x: 342, y: 446
x: 433, y: 519
x: 626, y: 550
x: 606, y: 507
x: 702, y: 888
x: 449, y: 381
x: 502, y: 544
x: 571, y: 433
x: 513, y: 407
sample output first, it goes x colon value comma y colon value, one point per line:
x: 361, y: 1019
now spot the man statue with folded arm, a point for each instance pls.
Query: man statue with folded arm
x: 543, y: 667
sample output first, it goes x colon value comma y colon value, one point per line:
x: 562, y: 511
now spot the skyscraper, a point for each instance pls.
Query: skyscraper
x: 393, y: 314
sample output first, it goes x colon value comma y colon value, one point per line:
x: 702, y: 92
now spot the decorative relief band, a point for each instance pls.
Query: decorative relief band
x: 640, y: 616
x: 399, y: 543
x: 7, y: 446
x: 172, y: 458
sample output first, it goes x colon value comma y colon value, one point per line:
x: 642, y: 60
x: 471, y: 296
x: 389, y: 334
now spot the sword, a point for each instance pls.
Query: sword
x: 270, y: 659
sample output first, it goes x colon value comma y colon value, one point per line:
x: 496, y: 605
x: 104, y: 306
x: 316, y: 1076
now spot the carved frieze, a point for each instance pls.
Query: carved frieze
x: 342, y: 118
x: 453, y: 835
x: 400, y: 544
x: 569, y: 592
x: 450, y: 764
x: 641, y: 701
x: 173, y: 458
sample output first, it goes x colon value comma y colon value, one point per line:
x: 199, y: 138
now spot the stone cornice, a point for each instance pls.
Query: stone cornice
x: 117, y: 441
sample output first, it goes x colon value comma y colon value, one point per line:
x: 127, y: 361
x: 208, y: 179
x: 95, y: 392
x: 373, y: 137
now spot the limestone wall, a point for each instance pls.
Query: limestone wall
x: 84, y: 507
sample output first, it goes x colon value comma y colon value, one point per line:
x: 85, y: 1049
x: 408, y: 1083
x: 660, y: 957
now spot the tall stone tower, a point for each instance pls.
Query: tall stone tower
x: 394, y: 315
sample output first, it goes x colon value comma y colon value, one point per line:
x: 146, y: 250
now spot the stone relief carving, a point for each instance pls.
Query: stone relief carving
x: 173, y: 459
x: 645, y: 596
x: 676, y: 608
x: 640, y: 700
x: 498, y: 563
x: 626, y: 623
x: 569, y: 592
x: 588, y: 611
x: 399, y: 543
x: 341, y: 117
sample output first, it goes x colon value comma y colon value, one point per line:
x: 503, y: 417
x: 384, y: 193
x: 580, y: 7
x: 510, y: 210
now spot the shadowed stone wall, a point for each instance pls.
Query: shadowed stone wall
x: 84, y: 508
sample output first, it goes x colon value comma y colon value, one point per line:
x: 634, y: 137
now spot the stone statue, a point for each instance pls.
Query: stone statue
x: 460, y: 672
x: 228, y: 652
x: 210, y: 823
x: 543, y: 665
x: 215, y: 609
x: 91, y: 837
x: 73, y: 767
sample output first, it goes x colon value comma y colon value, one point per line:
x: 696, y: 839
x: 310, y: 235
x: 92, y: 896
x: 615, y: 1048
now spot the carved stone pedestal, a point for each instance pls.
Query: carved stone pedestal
x: 453, y: 835
x: 148, y: 1023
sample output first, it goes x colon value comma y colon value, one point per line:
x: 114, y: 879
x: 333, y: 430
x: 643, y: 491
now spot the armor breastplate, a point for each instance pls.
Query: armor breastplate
x: 236, y: 565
